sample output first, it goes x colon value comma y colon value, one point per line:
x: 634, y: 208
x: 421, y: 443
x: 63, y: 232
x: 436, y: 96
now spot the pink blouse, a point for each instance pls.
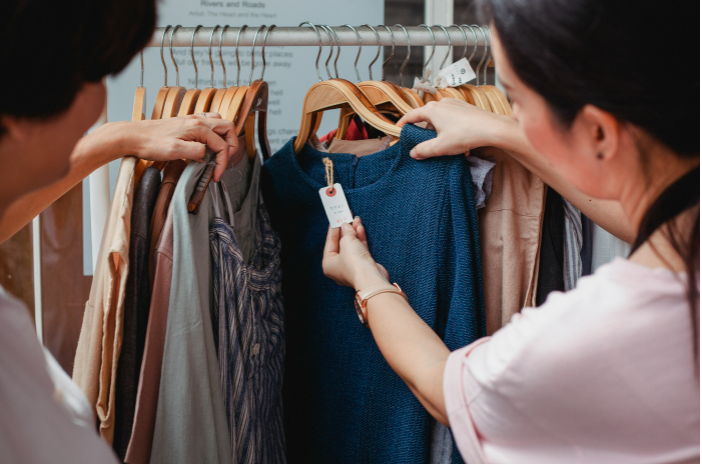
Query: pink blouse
x: 602, y: 374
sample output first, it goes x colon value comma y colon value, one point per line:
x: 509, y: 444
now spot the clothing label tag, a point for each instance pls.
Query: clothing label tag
x: 423, y: 86
x: 455, y: 74
x: 335, y: 205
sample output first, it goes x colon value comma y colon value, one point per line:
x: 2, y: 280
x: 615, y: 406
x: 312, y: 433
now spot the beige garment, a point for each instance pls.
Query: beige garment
x: 101, y: 333
x: 359, y: 147
x: 510, y: 238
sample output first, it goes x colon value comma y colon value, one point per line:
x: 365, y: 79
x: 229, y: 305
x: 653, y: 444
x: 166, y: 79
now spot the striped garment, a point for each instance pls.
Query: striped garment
x: 572, y: 244
x: 251, y: 340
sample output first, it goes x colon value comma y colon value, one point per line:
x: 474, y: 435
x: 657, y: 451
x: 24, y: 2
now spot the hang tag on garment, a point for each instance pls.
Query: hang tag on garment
x: 335, y: 205
x: 423, y: 86
x: 455, y: 74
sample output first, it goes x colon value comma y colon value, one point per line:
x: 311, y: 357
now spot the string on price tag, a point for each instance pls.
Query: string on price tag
x: 333, y: 199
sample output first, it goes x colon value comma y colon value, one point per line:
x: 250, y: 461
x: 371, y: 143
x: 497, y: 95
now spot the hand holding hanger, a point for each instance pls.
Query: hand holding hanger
x: 178, y: 138
x: 460, y: 127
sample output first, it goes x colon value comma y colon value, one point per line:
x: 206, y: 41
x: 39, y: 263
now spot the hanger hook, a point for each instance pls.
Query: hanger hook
x: 221, y: 60
x: 263, y: 50
x: 165, y: 68
x: 170, y: 45
x: 377, y: 55
x: 236, y: 52
x: 141, y: 80
x: 358, y: 55
x: 448, y: 39
x: 475, y: 38
x: 409, y: 50
x: 338, y: 52
x: 209, y: 53
x: 319, y: 37
x: 392, y: 50
x: 192, y: 53
x: 331, y: 48
x: 477, y: 71
x: 465, y: 39
x: 253, y: 48
x: 433, y: 49
x: 489, y: 53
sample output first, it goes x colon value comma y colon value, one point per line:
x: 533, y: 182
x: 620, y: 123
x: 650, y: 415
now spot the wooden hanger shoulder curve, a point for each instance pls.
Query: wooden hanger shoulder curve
x: 226, y: 100
x: 160, y: 101
x: 204, y: 100
x: 381, y: 92
x: 139, y: 108
x: 173, y: 101
x: 190, y: 98
x: 413, y: 97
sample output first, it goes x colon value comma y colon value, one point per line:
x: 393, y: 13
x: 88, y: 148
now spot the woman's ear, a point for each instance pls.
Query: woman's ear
x: 600, y: 130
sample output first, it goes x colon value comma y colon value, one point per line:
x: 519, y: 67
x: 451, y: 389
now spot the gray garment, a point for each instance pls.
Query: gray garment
x: 441, y: 444
x: 606, y: 247
x: 481, y: 172
x: 191, y: 425
x: 572, y: 245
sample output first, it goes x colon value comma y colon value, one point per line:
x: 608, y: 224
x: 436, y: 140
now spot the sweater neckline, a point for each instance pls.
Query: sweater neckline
x: 399, y: 147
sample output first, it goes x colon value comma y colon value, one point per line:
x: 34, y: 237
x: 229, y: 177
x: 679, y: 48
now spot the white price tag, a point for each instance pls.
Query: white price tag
x: 335, y: 205
x: 456, y: 73
x: 423, y: 86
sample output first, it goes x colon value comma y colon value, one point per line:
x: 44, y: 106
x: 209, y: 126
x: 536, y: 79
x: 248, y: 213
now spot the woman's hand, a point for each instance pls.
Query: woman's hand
x: 460, y: 127
x: 347, y: 260
x: 179, y: 138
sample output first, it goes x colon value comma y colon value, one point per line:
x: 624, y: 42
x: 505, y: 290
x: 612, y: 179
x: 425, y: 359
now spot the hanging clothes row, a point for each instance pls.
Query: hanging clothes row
x: 212, y: 335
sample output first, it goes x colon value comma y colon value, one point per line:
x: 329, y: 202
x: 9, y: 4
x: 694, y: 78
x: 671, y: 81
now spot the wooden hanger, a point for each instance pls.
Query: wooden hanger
x: 339, y: 93
x: 410, y: 95
x: 256, y: 101
x: 163, y: 91
x: 191, y: 96
x: 449, y: 92
x: 139, y: 107
x: 204, y: 101
x: 175, y: 94
x: 248, y: 102
x: 380, y: 93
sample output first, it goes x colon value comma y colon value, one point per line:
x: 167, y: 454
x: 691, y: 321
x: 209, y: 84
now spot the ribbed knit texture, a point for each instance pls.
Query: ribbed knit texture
x: 342, y: 401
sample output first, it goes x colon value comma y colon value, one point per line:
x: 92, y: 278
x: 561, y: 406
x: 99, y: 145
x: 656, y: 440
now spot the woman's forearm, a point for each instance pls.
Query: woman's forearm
x: 608, y: 214
x: 412, y: 349
x: 92, y: 151
x: 156, y: 140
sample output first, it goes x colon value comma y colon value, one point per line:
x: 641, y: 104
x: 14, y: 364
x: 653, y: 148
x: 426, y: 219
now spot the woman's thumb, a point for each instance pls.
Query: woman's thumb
x: 425, y: 150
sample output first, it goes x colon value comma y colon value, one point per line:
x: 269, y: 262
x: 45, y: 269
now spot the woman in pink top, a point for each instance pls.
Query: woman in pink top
x: 608, y: 372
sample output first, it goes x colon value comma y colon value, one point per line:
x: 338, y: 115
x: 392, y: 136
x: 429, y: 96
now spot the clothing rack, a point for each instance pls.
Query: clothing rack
x: 306, y: 36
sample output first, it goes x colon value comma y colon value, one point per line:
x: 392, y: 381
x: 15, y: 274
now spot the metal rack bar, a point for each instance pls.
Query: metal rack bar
x: 305, y: 37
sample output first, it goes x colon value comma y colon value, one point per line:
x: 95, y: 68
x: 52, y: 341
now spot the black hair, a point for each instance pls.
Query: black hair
x: 638, y: 61
x: 50, y: 49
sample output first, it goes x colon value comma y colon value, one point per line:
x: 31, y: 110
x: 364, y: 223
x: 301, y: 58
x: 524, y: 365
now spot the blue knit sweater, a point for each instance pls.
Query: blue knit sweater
x: 342, y: 401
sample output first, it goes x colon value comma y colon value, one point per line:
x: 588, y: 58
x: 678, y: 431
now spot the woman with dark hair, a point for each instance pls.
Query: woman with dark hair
x: 608, y: 372
x: 60, y: 52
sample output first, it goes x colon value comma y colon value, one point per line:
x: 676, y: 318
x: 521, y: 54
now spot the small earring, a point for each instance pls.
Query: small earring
x: 600, y: 156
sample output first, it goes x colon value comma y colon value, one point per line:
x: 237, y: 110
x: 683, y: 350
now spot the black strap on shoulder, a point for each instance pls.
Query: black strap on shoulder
x: 684, y: 193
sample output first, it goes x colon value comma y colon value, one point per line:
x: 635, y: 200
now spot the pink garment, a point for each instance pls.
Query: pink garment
x: 139, y: 450
x: 602, y: 374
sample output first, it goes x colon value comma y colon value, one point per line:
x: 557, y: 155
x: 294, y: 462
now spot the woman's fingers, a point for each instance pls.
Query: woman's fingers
x: 221, y: 127
x: 217, y: 144
x: 331, y: 247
